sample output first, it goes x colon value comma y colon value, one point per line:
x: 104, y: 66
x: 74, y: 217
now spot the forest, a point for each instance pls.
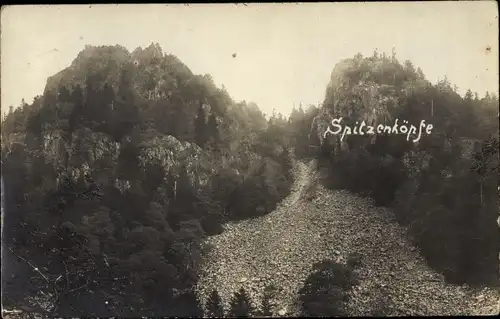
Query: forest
x: 114, y: 177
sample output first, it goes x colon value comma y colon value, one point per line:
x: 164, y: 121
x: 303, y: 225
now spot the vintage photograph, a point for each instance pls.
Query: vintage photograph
x: 250, y: 160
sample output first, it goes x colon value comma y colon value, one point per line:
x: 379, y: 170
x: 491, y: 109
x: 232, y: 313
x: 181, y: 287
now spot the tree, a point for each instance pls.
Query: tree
x: 267, y: 298
x: 468, y: 96
x: 180, y: 124
x: 187, y: 305
x: 325, y: 291
x: 128, y: 163
x: 125, y: 113
x: 420, y: 74
x: 184, y: 190
x: 286, y: 162
x: 213, y: 130
x: 241, y: 305
x: 214, y: 306
x: 482, y: 162
x: 77, y: 96
x: 34, y: 125
x: 63, y: 94
x: 409, y: 69
x: 106, y: 105
x: 201, y: 128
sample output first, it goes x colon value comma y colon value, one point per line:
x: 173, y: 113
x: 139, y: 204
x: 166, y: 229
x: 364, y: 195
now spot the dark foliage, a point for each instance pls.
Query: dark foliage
x: 326, y: 290
x: 214, y: 306
x: 241, y: 305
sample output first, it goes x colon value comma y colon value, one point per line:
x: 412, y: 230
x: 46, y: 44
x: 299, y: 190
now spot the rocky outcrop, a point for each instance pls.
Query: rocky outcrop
x: 103, y: 60
x: 85, y: 151
x: 9, y: 140
x: 169, y: 152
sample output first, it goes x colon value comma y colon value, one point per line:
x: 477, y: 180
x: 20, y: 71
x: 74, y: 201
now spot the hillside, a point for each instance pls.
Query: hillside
x: 314, y: 224
x: 444, y: 186
x: 119, y: 170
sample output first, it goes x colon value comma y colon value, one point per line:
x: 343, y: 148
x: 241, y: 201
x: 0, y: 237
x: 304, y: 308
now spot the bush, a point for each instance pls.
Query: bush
x: 326, y: 290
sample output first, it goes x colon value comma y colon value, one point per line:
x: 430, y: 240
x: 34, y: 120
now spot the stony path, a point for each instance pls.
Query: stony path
x: 313, y: 224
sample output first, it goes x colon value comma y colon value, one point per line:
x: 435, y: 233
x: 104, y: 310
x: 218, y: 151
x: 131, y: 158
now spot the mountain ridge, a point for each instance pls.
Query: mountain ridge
x: 130, y: 165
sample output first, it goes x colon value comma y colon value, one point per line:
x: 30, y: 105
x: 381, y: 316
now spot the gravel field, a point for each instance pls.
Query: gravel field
x: 313, y: 224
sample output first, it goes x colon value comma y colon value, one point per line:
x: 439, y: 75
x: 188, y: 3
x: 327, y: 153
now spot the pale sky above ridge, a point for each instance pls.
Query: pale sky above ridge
x: 285, y: 52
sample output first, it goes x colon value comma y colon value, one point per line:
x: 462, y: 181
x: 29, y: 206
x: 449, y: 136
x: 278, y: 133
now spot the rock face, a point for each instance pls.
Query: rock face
x: 86, y: 150
x: 280, y: 249
x: 169, y: 152
x: 92, y: 58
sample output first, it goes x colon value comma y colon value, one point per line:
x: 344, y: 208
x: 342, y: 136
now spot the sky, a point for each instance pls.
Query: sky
x: 284, y: 52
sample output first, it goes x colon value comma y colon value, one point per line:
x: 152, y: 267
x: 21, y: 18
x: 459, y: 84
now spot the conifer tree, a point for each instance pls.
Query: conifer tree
x: 287, y: 163
x: 63, y: 94
x: 201, y: 128
x: 213, y: 130
x: 214, y: 306
x: 241, y: 305
x: 267, y: 310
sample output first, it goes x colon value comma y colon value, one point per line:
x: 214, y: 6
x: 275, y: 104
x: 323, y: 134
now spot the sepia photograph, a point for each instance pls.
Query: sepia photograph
x: 250, y: 160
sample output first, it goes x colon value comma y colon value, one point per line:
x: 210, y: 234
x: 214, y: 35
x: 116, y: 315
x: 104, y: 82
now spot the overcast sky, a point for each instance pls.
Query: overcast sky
x: 285, y: 52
